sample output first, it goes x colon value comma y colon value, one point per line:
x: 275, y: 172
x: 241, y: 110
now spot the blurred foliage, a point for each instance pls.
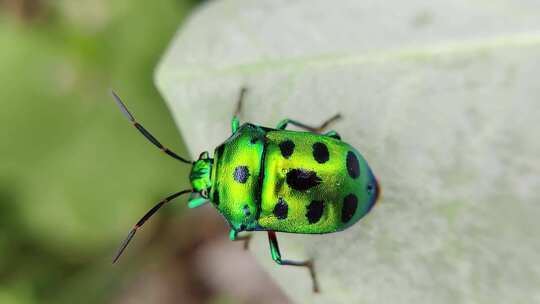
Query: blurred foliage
x: 74, y: 175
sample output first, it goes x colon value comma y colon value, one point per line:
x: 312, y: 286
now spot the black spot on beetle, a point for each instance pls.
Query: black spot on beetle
x: 246, y: 210
x: 370, y: 188
x: 353, y: 167
x: 320, y: 152
x: 253, y: 140
x: 241, y: 174
x: 314, y: 211
x: 219, y: 151
x: 377, y: 191
x: 301, y: 180
x: 215, y: 197
x: 281, y: 210
x: 350, y: 204
x: 287, y: 148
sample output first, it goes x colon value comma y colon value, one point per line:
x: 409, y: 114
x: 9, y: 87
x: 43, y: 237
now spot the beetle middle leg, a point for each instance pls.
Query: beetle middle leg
x: 235, y: 123
x: 276, y: 256
x: 282, y: 125
x: 233, y: 235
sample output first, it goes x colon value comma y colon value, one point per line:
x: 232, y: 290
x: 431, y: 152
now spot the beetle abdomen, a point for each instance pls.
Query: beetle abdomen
x: 313, y: 184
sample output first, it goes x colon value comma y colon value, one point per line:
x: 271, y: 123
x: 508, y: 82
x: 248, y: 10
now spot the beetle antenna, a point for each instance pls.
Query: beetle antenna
x: 141, y: 222
x: 144, y: 132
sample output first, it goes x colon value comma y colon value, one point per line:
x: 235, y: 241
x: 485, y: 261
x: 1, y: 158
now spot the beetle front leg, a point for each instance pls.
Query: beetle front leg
x: 233, y: 236
x: 197, y: 202
x: 235, y: 124
x: 276, y: 256
x: 282, y: 125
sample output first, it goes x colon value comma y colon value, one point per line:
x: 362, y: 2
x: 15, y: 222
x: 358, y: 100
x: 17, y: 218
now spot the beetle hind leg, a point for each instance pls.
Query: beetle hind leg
x: 276, y: 256
x: 233, y: 236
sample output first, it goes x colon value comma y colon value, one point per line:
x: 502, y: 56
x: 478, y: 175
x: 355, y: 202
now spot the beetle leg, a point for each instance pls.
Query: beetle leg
x: 235, y: 123
x: 233, y: 235
x: 283, y: 124
x: 276, y: 256
x: 197, y: 202
x: 332, y: 134
x: 243, y: 91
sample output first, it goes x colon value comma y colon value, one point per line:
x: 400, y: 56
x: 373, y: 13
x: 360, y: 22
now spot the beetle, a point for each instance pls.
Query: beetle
x: 276, y: 180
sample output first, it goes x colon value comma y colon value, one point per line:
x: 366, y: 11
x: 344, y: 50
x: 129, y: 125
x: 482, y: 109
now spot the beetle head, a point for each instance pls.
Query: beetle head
x: 200, y: 174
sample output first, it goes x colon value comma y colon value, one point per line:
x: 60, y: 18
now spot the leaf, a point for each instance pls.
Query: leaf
x: 441, y: 98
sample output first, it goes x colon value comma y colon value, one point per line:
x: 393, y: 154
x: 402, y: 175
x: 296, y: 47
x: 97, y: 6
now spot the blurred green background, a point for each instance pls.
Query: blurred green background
x: 74, y: 175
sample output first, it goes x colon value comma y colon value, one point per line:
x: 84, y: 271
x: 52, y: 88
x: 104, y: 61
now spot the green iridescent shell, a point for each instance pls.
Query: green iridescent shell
x: 290, y: 181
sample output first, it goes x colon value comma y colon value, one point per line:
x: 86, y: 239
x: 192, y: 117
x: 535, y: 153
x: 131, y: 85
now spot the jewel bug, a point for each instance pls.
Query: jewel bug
x: 276, y: 180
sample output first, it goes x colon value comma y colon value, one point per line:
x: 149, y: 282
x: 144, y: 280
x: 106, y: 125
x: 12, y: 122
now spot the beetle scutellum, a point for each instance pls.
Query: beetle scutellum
x: 276, y: 180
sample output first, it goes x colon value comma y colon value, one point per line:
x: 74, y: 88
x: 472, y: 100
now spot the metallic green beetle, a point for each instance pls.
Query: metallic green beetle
x: 276, y: 180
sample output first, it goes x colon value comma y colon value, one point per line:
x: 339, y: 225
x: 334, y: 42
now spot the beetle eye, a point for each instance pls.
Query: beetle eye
x: 204, y: 193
